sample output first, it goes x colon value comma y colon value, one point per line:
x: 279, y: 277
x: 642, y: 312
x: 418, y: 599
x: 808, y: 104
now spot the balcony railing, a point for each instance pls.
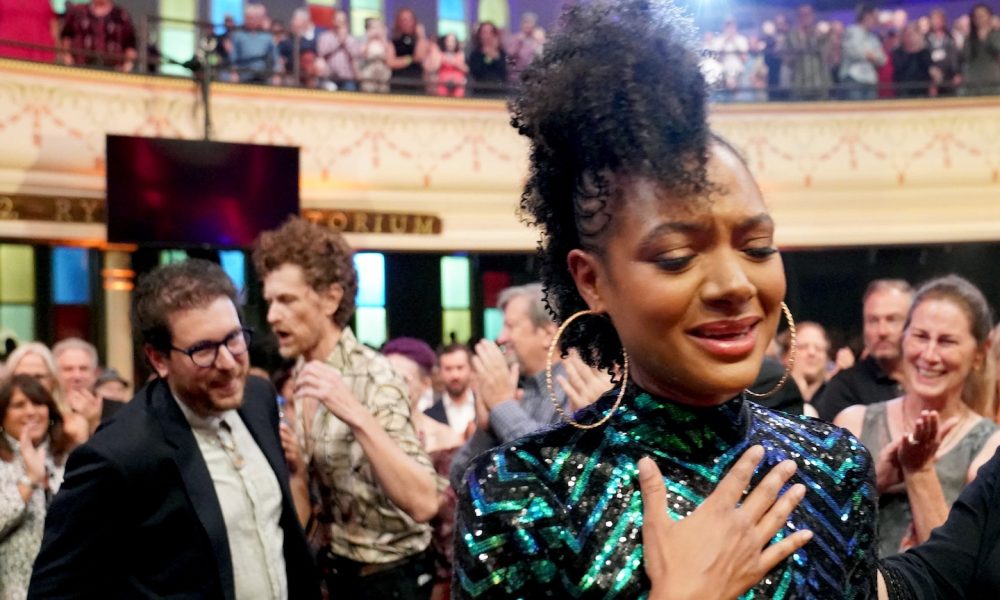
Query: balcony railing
x: 209, y: 59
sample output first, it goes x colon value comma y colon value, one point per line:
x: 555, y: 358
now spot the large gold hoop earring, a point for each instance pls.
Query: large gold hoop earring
x: 548, y: 375
x: 789, y: 363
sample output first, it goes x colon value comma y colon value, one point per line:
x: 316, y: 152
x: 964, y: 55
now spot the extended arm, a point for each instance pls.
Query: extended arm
x: 387, y: 439
x: 917, y: 452
x: 953, y: 561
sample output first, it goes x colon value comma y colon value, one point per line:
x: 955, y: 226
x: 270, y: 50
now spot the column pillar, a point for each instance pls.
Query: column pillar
x: 119, y: 279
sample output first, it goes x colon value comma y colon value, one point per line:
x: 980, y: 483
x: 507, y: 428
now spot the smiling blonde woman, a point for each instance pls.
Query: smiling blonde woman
x: 930, y: 442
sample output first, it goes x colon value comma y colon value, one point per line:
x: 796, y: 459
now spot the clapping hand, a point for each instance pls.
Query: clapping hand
x: 888, y: 471
x: 86, y: 404
x: 582, y: 383
x: 33, y: 459
x: 496, y: 382
x: 76, y: 428
x: 721, y: 550
x: 918, y: 448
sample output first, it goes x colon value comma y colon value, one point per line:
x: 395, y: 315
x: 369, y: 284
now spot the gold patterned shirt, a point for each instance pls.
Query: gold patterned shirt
x: 366, y: 526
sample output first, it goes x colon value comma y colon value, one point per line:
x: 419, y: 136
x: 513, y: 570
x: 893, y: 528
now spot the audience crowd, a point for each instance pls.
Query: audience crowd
x: 882, y: 54
x: 400, y: 57
x: 375, y: 443
x: 796, y: 56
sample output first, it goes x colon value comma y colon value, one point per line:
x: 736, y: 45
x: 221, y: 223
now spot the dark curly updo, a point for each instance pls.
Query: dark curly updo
x: 617, y: 94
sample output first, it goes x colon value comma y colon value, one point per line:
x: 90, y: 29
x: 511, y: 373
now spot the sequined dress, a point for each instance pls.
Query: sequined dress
x: 558, y: 514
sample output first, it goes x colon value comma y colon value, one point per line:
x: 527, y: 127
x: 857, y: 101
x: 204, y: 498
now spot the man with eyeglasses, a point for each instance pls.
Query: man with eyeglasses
x: 186, y: 493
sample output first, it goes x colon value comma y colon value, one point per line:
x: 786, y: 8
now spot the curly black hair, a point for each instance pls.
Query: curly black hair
x: 618, y: 93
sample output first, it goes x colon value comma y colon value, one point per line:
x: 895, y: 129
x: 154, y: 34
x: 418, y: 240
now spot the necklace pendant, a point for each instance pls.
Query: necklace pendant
x: 238, y: 461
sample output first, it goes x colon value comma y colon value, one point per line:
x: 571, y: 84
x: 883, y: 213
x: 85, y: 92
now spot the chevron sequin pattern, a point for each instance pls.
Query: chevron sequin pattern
x: 558, y: 514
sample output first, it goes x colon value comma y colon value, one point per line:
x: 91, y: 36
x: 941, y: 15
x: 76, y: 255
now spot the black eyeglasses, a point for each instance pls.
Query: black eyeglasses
x: 204, y: 354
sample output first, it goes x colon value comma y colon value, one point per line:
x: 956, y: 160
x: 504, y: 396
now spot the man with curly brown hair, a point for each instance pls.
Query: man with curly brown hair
x: 377, y: 485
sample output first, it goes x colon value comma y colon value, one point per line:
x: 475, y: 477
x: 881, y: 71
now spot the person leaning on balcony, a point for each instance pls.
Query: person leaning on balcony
x: 862, y: 54
x: 944, y: 51
x: 339, y: 53
x: 804, y: 56
x: 487, y: 61
x: 253, y: 52
x: 981, y: 54
x: 100, y: 34
x: 913, y: 70
x: 409, y: 41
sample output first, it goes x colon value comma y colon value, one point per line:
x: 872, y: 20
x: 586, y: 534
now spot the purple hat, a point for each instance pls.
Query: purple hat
x: 416, y: 350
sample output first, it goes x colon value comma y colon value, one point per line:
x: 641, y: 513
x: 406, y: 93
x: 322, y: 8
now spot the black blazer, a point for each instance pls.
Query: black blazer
x: 137, y: 515
x: 437, y: 412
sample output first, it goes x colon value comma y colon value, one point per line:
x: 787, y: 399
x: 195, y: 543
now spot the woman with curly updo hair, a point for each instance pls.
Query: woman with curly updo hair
x: 658, y: 258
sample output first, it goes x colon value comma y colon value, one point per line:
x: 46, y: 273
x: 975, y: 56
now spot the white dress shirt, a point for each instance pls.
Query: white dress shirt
x: 250, y: 498
x: 460, y: 414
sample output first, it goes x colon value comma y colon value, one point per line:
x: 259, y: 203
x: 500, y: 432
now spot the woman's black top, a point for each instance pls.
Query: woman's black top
x: 962, y: 557
x: 410, y: 77
x: 488, y: 74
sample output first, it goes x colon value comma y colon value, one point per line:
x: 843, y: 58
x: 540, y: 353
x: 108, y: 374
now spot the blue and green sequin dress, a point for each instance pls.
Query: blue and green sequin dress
x: 558, y: 514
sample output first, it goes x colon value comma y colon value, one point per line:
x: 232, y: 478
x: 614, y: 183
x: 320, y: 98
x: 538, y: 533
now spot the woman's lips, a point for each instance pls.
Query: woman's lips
x: 728, y: 339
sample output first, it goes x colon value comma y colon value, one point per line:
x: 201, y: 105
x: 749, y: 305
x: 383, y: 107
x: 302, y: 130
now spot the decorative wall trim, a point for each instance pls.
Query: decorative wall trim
x: 833, y: 174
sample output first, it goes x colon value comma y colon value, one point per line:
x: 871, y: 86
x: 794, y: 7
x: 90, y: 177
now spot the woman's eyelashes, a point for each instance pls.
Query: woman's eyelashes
x: 761, y: 252
x: 679, y: 263
x: 674, y: 264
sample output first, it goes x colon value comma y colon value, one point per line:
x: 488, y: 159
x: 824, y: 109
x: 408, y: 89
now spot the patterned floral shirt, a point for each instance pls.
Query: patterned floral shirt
x: 365, y: 525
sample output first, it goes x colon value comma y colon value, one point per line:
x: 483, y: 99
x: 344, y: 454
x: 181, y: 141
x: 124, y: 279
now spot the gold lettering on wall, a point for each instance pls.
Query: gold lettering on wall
x: 397, y: 223
x: 426, y: 225
x: 63, y: 210
x: 91, y: 210
x: 350, y: 221
x: 7, y: 211
x: 360, y: 223
x: 51, y: 208
x: 337, y: 221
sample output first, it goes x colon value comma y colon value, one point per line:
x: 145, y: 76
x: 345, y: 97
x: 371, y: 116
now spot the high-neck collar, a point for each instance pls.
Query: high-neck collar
x: 666, y: 426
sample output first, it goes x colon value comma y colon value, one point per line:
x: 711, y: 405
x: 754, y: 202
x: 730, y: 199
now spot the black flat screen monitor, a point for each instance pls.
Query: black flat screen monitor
x: 182, y: 193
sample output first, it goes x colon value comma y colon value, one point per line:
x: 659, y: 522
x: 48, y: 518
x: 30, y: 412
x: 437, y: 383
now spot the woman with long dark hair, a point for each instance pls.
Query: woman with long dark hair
x: 981, y: 54
x: 487, y: 61
x: 33, y: 448
x: 410, y: 47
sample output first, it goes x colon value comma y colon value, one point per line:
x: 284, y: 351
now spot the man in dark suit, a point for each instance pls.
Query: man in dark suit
x: 456, y: 407
x: 186, y: 493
